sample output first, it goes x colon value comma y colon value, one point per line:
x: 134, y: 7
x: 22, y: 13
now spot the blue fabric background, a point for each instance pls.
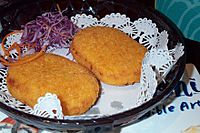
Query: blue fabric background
x: 184, y: 13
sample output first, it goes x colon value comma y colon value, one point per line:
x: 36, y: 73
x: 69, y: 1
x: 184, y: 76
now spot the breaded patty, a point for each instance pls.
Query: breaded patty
x: 76, y: 87
x: 110, y: 54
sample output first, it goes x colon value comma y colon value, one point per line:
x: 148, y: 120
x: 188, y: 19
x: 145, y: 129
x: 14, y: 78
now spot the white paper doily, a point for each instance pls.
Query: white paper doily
x: 114, y: 99
x: 49, y: 106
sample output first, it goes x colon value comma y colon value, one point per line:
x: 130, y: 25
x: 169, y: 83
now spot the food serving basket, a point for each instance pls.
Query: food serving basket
x: 17, y: 13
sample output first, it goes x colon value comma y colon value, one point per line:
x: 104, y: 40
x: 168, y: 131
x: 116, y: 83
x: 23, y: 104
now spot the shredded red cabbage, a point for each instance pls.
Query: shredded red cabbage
x: 51, y: 29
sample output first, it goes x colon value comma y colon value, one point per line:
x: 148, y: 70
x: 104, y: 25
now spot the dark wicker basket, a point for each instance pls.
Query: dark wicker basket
x: 12, y: 15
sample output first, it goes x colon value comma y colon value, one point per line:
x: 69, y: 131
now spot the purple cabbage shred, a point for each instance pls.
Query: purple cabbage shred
x: 49, y: 29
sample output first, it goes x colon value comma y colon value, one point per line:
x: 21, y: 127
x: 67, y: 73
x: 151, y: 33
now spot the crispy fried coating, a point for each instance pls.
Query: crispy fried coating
x: 110, y: 54
x: 76, y: 87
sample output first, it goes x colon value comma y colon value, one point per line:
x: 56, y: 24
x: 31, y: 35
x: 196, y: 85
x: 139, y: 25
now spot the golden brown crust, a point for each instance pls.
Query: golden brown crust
x: 75, y: 86
x: 110, y: 54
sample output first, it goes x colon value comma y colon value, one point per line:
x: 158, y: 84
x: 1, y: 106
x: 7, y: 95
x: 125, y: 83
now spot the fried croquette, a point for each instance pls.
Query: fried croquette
x: 76, y: 87
x: 110, y: 54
